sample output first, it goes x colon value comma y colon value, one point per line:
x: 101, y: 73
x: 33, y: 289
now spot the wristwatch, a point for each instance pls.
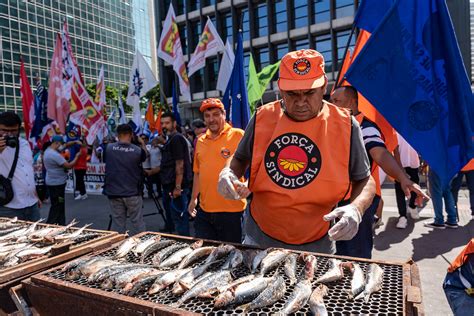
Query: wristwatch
x: 178, y: 186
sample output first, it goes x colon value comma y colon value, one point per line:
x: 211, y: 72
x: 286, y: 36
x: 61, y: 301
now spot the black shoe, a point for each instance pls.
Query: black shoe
x: 449, y: 225
x: 434, y: 225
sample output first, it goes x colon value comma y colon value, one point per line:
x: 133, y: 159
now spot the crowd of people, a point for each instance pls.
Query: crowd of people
x: 303, y: 175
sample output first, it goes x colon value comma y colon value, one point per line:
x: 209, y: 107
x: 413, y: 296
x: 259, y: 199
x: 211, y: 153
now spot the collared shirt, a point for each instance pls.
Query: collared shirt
x: 210, y: 157
x: 23, y: 182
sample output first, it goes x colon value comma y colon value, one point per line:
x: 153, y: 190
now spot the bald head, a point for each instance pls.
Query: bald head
x: 346, y: 97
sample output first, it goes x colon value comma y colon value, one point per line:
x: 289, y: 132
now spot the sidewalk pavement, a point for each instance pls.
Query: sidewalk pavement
x: 432, y: 250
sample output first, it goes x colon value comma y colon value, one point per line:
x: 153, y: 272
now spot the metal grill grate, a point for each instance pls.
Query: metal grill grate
x: 388, y: 301
x: 86, y: 237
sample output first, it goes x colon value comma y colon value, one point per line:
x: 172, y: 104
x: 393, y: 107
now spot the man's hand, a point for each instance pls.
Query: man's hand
x: 227, y: 183
x: 177, y: 193
x: 192, y: 208
x: 40, y: 203
x: 409, y: 186
x: 348, y: 225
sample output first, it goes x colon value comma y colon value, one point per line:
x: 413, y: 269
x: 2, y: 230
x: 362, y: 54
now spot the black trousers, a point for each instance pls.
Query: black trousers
x: 222, y: 226
x: 80, y: 185
x: 402, y: 207
x: 57, y: 213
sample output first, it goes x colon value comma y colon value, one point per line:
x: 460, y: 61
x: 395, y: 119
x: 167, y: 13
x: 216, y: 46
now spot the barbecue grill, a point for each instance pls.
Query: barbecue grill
x: 12, y: 276
x: 50, y: 293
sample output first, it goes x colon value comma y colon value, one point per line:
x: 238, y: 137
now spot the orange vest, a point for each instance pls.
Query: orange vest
x: 469, y: 166
x: 374, y: 170
x: 299, y: 171
x: 461, y: 258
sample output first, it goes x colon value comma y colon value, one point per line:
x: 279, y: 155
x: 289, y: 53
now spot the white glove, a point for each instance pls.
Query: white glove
x: 348, y: 225
x: 225, y: 185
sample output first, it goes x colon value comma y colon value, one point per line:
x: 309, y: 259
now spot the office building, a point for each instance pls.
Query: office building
x: 103, y: 32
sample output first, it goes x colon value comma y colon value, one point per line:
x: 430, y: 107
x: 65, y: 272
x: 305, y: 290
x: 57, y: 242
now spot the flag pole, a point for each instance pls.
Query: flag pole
x: 336, y: 84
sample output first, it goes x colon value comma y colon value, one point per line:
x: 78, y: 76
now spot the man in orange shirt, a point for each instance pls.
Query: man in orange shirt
x: 304, y: 154
x: 217, y: 218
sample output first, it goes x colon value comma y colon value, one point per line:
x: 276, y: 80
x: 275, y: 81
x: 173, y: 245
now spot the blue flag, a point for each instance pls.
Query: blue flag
x: 175, y: 106
x: 235, y: 97
x: 41, y: 111
x: 411, y: 70
x: 370, y: 13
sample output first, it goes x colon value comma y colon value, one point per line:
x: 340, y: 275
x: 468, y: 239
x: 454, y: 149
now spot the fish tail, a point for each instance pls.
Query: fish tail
x: 367, y: 297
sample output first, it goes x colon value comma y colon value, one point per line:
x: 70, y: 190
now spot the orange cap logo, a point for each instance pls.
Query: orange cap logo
x: 302, y: 66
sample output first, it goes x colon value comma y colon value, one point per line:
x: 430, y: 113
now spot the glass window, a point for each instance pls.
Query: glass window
x: 246, y: 63
x: 197, y: 80
x: 183, y: 37
x: 300, y: 11
x: 196, y: 32
x: 227, y: 26
x: 262, y: 21
x: 323, y: 45
x: 342, y: 38
x: 194, y: 5
x: 344, y: 8
x: 180, y: 7
x: 263, y: 58
x: 280, y: 16
x: 244, y: 17
x: 301, y: 44
x: 212, y: 72
x: 321, y: 10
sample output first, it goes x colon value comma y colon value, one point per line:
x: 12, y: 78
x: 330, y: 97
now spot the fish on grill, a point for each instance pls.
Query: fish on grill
x: 205, y: 287
x: 121, y: 280
x: 105, y: 272
x: 316, y: 301
x: 272, y: 260
x: 185, y: 281
x: 195, y: 255
x: 141, y: 283
x: 70, y: 236
x: 257, y: 259
x: 271, y: 294
x: 334, y: 273
x: 141, y: 246
x: 179, y: 255
x: 157, y: 245
x: 165, y: 252
x: 220, y: 252
x: 234, y: 259
x: 21, y: 255
x: 290, y: 267
x: 310, y: 262
x: 166, y: 280
x: 89, y: 267
x: 13, y: 222
x: 373, y: 282
x: 248, y: 257
x: 14, y: 235
x: 179, y: 287
x: 241, y: 293
x: 357, y: 282
x: 126, y: 247
x: 298, y: 298
x: 55, y: 231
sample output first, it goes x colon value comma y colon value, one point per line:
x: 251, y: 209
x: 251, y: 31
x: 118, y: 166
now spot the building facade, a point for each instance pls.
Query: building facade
x: 270, y: 29
x: 103, y: 32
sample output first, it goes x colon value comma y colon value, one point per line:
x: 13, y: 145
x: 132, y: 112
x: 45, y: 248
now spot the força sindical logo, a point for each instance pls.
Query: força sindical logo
x: 292, y: 160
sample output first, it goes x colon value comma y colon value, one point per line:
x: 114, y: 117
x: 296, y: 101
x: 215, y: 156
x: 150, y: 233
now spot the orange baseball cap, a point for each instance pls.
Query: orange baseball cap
x: 302, y: 70
x: 211, y: 103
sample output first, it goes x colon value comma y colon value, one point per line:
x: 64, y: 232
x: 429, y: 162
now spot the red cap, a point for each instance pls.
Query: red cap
x: 302, y: 70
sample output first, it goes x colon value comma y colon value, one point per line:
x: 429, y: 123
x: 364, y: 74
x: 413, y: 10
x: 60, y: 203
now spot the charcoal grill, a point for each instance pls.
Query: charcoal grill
x: 12, y: 276
x: 400, y: 294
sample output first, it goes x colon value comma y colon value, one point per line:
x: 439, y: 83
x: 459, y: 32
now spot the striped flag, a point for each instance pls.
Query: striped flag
x: 27, y: 101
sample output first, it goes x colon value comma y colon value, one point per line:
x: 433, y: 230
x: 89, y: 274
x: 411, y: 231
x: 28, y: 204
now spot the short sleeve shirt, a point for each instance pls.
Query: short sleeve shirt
x: 56, y: 174
x: 359, y: 162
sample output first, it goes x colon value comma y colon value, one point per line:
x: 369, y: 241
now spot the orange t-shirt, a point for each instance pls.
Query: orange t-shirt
x: 210, y: 158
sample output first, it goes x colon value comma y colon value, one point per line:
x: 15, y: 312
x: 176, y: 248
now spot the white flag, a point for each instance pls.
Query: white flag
x: 169, y: 49
x: 209, y: 44
x: 141, y: 81
x: 122, y: 119
x: 227, y: 64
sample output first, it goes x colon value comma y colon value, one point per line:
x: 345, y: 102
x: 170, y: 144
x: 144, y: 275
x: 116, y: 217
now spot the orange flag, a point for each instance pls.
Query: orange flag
x: 150, y: 117
x: 365, y: 106
x: 158, y: 122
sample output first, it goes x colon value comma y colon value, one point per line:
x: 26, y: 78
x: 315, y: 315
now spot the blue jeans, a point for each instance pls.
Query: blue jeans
x: 177, y: 210
x: 439, y: 193
x: 461, y: 304
x: 30, y: 213
x: 363, y: 242
x: 456, y: 185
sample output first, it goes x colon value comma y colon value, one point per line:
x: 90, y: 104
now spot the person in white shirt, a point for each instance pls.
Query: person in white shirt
x: 25, y: 203
x: 410, y: 161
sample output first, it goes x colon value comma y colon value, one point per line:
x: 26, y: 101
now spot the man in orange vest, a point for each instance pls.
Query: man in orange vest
x: 216, y: 218
x: 361, y: 245
x: 468, y: 172
x: 304, y: 154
